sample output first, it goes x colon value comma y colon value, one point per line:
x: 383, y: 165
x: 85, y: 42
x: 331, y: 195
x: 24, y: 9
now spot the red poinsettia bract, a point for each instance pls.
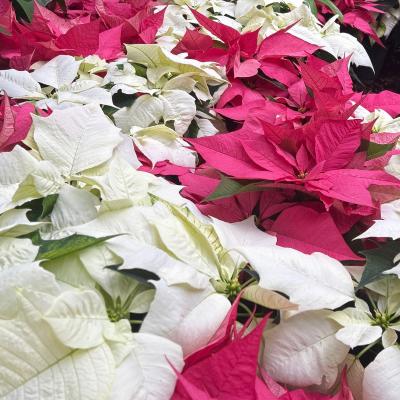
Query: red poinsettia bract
x: 87, y: 27
x: 227, y: 369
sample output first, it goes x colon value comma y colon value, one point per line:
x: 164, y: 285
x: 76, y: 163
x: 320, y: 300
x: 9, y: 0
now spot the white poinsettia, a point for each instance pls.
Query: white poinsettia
x: 84, y: 92
x: 361, y: 326
x: 26, y: 275
x: 246, y: 10
x: 15, y: 251
x: 306, y: 26
x: 72, y: 207
x: 381, y: 378
x: 63, y: 88
x: 145, y: 374
x: 293, y: 273
x: 122, y: 75
x: 178, y: 18
x: 61, y: 70
x: 383, y: 121
x: 171, y: 80
x: 159, y: 143
x: 20, y: 85
x: 389, y: 225
x: 15, y: 223
x: 303, y: 350
x: 70, y: 138
x: 15, y: 167
x: 186, y: 315
x: 57, y: 333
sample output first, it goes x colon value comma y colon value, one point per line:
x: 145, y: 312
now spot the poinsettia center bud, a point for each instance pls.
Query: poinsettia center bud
x: 382, y: 320
x: 117, y: 311
x: 302, y: 174
x: 229, y: 288
x: 233, y: 288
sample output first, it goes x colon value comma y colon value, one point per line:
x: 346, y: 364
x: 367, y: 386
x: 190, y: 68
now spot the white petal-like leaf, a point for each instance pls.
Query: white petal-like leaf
x: 16, y: 251
x: 73, y: 207
x: 20, y: 84
x: 61, y: 70
x: 179, y: 107
x: 16, y: 165
x: 15, y: 223
x: 381, y: 378
x: 28, y: 276
x: 160, y: 143
x: 243, y: 234
x: 35, y: 365
x: 41, y: 182
x: 94, y: 95
x: 145, y: 111
x: 358, y: 335
x: 145, y: 373
x: 294, y: 273
x: 187, y: 316
x: 344, y: 44
x: 389, y: 225
x: 303, y: 350
x: 76, y: 139
x: 78, y: 319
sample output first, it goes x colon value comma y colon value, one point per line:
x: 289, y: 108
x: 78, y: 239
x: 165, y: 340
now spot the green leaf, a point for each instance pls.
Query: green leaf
x: 52, y: 249
x: 378, y: 261
x: 377, y: 150
x: 140, y: 275
x: 228, y: 187
x: 332, y: 7
x: 313, y: 6
x: 40, y: 208
x: 48, y: 205
x: 26, y: 6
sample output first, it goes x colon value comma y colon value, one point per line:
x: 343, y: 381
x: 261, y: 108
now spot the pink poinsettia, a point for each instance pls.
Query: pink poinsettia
x: 88, y: 27
x: 318, y: 159
x: 227, y: 369
x: 358, y: 14
x: 15, y: 121
x: 241, y: 54
x: 331, y: 87
x: 306, y: 152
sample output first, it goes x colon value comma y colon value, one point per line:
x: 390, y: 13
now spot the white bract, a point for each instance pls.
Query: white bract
x: 389, y: 225
x: 71, y: 140
x: 304, y: 351
x: 381, y: 379
x: 20, y: 84
x: 61, y: 70
x: 293, y: 273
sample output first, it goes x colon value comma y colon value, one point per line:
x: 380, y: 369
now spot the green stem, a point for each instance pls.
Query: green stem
x: 135, y: 321
x: 364, y: 350
x: 247, y: 283
x: 247, y: 309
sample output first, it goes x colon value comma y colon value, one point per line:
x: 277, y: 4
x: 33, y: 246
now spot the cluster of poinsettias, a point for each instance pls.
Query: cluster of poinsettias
x: 195, y: 204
